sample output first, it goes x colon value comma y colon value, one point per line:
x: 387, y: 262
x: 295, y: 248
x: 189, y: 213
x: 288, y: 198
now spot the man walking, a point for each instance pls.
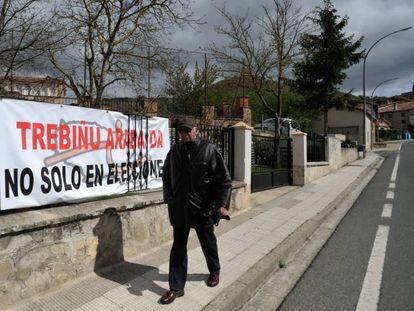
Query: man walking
x: 196, y: 185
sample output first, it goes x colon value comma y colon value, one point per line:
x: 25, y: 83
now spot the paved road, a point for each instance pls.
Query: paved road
x: 368, y: 263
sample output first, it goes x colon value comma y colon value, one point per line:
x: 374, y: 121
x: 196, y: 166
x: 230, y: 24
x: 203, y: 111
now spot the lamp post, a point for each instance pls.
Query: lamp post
x: 364, y: 140
x: 372, y: 103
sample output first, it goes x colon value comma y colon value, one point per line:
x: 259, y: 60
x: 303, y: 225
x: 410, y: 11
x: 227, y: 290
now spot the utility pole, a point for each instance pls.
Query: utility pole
x: 205, y: 79
x: 84, y: 70
x: 11, y: 68
x: 149, y: 73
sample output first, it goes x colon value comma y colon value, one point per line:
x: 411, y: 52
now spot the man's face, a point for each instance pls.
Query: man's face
x: 187, y: 134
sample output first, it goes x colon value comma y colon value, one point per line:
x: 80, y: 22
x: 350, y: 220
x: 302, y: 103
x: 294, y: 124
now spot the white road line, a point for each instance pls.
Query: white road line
x: 390, y: 194
x: 368, y: 299
x: 394, y: 171
x: 392, y: 185
x: 387, y: 210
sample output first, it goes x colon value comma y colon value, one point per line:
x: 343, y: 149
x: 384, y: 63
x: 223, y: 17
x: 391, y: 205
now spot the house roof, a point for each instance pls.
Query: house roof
x: 29, y: 80
x: 360, y: 107
x: 396, y: 107
x: 384, y: 123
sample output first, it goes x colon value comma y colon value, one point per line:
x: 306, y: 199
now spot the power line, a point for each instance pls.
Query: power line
x: 82, y: 39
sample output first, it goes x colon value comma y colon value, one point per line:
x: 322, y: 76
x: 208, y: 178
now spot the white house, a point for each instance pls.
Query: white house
x: 348, y: 123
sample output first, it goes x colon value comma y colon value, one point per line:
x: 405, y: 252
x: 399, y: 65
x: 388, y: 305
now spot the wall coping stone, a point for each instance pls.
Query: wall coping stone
x: 242, y: 125
x: 321, y: 163
x: 19, y: 221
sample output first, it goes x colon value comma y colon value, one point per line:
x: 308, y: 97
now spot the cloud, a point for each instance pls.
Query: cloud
x: 393, y: 57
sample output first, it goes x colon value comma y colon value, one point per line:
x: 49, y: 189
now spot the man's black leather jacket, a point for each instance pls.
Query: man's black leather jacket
x: 195, y: 180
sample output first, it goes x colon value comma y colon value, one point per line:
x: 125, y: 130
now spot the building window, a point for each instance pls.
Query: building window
x: 390, y: 115
x: 403, y: 121
x: 403, y: 114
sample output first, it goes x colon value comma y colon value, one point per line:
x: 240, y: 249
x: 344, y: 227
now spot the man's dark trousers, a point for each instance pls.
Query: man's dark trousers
x: 178, y: 256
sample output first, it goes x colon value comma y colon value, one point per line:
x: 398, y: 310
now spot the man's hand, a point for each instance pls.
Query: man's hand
x: 224, y: 213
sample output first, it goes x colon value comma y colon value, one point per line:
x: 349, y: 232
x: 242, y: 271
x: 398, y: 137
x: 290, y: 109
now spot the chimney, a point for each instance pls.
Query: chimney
x: 395, y: 105
x: 413, y: 87
x: 242, y: 102
x: 225, y: 110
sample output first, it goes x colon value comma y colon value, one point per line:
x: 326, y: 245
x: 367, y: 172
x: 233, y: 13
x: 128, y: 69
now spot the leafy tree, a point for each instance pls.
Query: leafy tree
x: 327, y: 53
x: 188, y: 91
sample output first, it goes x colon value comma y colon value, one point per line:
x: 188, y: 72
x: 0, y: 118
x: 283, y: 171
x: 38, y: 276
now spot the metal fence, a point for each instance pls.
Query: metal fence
x: 271, y: 162
x: 316, y: 147
x: 222, y: 137
x: 138, y: 156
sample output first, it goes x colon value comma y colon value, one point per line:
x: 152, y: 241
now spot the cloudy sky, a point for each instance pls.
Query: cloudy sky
x: 391, y: 58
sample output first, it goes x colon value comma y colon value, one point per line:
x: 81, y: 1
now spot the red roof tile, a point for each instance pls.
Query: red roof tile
x: 398, y: 106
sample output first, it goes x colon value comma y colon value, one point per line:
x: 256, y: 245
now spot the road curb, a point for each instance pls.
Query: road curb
x: 237, y: 294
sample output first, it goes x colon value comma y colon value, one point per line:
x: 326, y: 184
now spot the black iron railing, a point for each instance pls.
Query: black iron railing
x: 264, y: 153
x: 316, y: 147
x: 222, y: 137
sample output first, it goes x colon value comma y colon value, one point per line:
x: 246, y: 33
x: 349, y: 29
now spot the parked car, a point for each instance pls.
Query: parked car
x: 287, y: 126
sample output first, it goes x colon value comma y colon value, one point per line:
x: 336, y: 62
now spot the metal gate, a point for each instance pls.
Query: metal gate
x: 267, y: 171
x: 222, y: 137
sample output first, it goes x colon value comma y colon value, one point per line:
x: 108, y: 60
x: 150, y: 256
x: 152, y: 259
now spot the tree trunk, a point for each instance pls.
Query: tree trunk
x: 325, y: 120
x: 277, y: 140
x: 279, y: 91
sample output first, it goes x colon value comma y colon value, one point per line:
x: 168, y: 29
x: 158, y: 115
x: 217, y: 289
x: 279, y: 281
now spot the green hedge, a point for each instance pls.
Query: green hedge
x: 389, y: 134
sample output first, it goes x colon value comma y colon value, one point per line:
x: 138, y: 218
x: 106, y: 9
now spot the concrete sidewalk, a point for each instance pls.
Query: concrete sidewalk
x: 251, y: 246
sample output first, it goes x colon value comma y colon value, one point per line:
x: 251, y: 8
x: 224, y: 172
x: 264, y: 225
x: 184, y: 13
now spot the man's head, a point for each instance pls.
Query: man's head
x: 187, y: 129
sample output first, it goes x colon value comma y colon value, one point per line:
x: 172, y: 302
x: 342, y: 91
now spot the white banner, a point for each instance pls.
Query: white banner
x: 58, y: 153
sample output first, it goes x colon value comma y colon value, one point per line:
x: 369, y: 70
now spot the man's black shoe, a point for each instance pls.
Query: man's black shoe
x: 213, y: 279
x: 170, y: 296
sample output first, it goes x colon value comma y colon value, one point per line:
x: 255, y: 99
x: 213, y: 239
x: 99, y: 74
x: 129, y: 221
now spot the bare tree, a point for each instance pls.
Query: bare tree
x: 283, y: 23
x: 247, y: 51
x: 21, y: 34
x: 264, y: 48
x: 107, y: 40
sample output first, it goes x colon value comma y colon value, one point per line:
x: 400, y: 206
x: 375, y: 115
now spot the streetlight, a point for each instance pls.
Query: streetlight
x: 364, y: 140
x: 372, y: 103
x: 379, y: 84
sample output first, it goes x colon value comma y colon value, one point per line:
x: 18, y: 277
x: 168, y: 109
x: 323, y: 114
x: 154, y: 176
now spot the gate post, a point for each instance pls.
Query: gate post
x: 242, y: 152
x: 299, y: 149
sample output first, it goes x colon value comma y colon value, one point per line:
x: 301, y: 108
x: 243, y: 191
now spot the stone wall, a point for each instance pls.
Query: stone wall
x: 41, y: 249
x: 336, y: 158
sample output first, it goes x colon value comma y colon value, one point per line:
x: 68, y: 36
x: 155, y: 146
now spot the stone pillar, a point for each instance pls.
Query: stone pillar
x: 333, y: 150
x: 242, y: 158
x: 243, y: 152
x: 208, y: 115
x: 300, y: 159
